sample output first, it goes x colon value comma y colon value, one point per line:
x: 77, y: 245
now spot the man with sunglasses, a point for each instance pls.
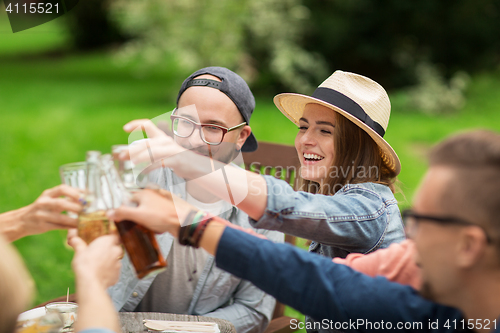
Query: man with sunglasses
x: 212, y: 117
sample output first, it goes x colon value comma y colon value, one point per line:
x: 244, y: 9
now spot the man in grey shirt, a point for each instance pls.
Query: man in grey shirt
x: 214, y: 106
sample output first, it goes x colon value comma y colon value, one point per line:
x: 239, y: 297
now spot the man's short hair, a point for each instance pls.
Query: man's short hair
x: 474, y: 194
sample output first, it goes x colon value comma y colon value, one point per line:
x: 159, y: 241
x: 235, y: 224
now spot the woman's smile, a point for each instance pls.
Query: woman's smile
x: 314, y: 142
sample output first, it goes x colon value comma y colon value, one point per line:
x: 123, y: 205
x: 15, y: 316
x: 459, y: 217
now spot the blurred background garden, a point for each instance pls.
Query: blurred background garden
x: 69, y: 85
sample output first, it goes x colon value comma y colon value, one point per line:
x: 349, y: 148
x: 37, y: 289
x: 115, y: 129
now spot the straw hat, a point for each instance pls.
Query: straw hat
x: 356, y: 97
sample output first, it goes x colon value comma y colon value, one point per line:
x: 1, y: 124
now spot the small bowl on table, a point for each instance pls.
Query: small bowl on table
x: 67, y: 311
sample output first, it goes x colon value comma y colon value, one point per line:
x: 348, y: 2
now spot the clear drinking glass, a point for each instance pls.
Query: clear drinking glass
x: 67, y: 311
x: 74, y: 175
x: 92, y: 220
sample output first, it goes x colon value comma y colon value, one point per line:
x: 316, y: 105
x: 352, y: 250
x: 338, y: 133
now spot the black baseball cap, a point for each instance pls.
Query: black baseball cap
x: 234, y: 87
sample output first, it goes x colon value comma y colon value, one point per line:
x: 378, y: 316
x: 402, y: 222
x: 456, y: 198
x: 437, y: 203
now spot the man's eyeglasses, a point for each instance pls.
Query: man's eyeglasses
x: 410, y: 219
x: 210, y: 133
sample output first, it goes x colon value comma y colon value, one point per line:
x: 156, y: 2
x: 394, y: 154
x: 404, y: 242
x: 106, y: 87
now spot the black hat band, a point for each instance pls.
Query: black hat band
x: 216, y: 85
x: 345, y: 103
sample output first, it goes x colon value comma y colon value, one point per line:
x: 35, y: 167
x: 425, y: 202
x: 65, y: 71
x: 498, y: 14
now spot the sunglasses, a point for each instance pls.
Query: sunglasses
x: 411, y: 220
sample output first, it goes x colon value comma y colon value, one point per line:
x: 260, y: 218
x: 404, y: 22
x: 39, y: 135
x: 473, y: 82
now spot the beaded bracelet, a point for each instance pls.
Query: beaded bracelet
x: 199, y: 232
x: 184, y: 231
x: 191, y: 232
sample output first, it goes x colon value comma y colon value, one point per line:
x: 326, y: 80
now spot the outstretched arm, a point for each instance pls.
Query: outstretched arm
x: 44, y: 214
x: 308, y: 282
x: 97, y: 267
x: 219, y: 178
x: 315, y: 286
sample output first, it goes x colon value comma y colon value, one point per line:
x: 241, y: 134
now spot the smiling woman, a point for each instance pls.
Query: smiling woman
x: 347, y: 168
x: 335, y: 152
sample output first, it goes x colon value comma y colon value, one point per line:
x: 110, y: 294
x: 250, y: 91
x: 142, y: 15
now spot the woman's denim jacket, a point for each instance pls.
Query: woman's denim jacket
x: 358, y: 218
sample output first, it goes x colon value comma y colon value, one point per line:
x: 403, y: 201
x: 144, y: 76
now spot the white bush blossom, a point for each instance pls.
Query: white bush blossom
x: 198, y: 33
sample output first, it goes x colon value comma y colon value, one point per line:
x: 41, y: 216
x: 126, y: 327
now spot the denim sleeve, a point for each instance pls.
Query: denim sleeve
x: 354, y: 219
x: 317, y: 287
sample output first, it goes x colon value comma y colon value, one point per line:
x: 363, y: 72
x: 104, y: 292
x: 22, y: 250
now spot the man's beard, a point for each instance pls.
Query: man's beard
x: 427, y: 292
x: 225, y: 152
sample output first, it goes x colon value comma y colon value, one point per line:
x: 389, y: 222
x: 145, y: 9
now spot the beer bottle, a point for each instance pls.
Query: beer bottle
x: 124, y: 168
x: 139, y: 242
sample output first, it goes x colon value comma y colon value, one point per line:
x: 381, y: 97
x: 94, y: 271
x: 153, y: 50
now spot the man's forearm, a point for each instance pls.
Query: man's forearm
x: 210, y: 239
x: 315, y: 286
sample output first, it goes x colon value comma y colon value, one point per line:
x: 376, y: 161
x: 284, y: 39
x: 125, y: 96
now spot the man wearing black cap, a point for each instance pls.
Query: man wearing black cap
x: 212, y: 117
x: 227, y: 85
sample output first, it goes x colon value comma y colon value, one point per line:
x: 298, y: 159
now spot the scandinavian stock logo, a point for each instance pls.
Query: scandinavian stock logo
x: 26, y: 14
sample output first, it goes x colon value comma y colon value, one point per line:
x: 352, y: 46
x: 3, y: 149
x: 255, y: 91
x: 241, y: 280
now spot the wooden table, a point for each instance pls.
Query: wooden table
x: 131, y: 322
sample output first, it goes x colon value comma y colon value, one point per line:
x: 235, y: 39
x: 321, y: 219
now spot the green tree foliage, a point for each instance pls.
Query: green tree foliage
x: 90, y: 26
x: 389, y: 39
x: 295, y: 44
x: 259, y: 39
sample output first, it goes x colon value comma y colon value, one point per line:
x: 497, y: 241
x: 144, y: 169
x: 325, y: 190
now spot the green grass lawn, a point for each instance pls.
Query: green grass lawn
x: 53, y: 109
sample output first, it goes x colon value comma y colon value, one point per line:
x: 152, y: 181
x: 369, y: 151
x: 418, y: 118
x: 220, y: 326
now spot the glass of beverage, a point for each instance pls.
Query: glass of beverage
x: 67, y: 311
x: 92, y: 220
x: 74, y: 175
x: 94, y: 224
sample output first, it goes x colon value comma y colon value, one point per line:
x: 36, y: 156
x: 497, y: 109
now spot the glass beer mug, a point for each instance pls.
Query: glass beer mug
x: 92, y: 220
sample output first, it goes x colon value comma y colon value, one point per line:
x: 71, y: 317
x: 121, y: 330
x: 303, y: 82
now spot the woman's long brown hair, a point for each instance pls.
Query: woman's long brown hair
x: 358, y: 159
